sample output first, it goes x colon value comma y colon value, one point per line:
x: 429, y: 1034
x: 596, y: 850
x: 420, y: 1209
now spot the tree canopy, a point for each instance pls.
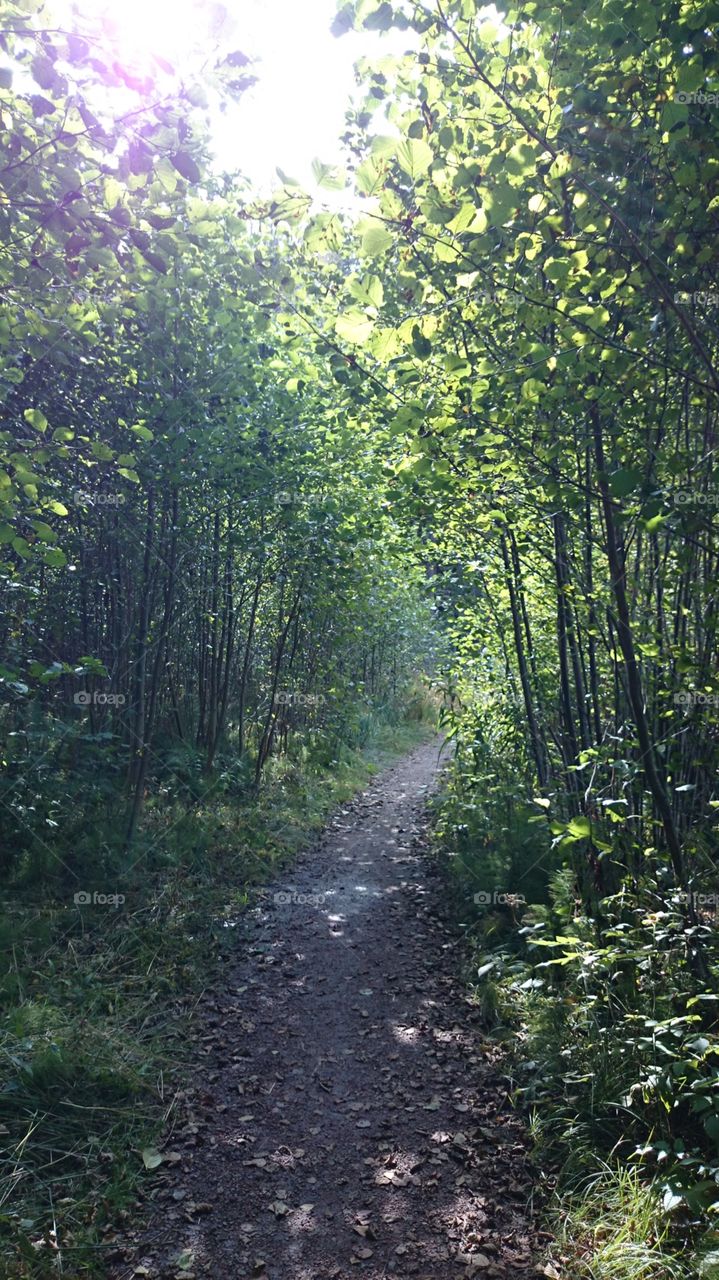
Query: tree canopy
x: 265, y: 461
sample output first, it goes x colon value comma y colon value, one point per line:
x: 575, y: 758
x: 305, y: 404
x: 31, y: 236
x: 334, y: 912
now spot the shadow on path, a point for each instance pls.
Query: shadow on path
x: 345, y: 1122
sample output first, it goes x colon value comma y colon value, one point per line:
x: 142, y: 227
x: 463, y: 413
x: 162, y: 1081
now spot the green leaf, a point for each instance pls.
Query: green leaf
x: 463, y: 218
x: 532, y: 389
x: 421, y: 346
x: 102, y: 451
x: 500, y: 202
x: 380, y: 19
x: 625, y: 481
x: 654, y: 523
x: 36, y: 419
x: 690, y: 75
x: 479, y: 223
x: 185, y: 165
x: 376, y: 240
x: 54, y: 557
x: 354, y: 326
x: 44, y: 531
x: 113, y: 191
x: 42, y: 106
x: 557, y: 270
x: 580, y: 827
x: 368, y: 291
x: 156, y: 261
x: 327, y: 176
x: 414, y: 156
x: 344, y: 21
x: 166, y: 174
x: 457, y: 365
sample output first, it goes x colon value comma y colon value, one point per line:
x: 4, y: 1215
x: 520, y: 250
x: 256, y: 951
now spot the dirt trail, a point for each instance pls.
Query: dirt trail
x: 346, y: 1121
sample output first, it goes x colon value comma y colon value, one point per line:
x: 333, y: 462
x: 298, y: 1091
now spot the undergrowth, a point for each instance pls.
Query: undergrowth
x: 609, y: 1031
x: 98, y: 997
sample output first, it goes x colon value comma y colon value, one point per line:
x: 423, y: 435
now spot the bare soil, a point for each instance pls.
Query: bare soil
x: 347, y: 1118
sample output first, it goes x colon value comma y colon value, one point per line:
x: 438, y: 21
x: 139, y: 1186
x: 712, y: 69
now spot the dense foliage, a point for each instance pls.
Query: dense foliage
x: 544, y: 229
x: 239, y: 435
x: 195, y: 558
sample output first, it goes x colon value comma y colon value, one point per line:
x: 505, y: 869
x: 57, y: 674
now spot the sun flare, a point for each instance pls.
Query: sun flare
x: 174, y: 32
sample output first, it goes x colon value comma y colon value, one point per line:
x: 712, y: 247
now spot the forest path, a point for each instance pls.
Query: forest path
x: 346, y: 1120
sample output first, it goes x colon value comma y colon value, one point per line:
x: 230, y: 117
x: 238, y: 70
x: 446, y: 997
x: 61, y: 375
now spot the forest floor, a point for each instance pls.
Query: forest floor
x: 346, y: 1117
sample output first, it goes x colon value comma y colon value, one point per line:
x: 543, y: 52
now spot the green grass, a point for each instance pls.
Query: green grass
x: 613, y: 1227
x: 96, y: 1004
x: 572, y: 1066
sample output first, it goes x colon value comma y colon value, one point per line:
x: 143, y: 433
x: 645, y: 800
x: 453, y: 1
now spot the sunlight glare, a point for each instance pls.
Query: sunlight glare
x: 305, y: 75
x: 176, y: 31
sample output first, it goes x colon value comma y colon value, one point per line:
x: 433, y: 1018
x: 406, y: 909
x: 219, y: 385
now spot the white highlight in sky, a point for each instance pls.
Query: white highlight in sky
x: 295, y: 113
x: 305, y: 82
